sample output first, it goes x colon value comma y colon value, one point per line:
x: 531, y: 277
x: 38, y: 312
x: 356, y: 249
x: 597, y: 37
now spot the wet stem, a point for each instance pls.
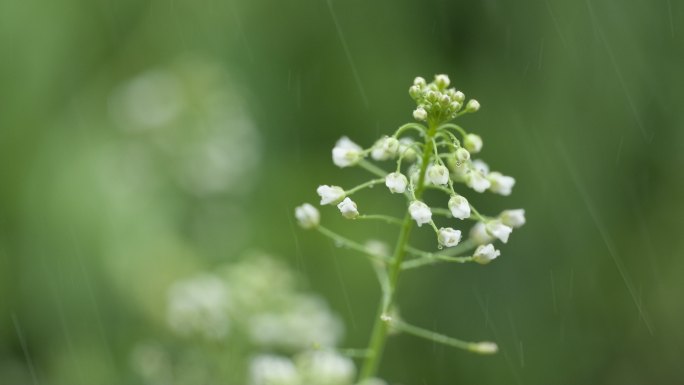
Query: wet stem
x: 381, y: 325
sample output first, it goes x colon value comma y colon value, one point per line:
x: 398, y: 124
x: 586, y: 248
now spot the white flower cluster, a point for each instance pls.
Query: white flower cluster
x: 320, y: 367
x: 199, y: 305
x: 253, y: 306
x: 446, y: 162
x: 258, y: 297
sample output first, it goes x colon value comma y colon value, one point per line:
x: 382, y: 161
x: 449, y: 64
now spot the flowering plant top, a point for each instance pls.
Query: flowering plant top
x: 430, y: 154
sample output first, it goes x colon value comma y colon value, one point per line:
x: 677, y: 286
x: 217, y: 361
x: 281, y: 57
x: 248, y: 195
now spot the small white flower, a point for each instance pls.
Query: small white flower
x: 479, y: 234
x: 406, y: 150
x: 330, y: 194
x: 481, y: 166
x: 462, y: 154
x: 485, y: 254
x: 459, y: 207
x: 414, y: 174
x: 442, y: 81
x: 513, y: 218
x: 325, y: 367
x: 420, y: 212
x: 438, y: 174
x: 420, y: 114
x: 455, y: 106
x: 396, y: 182
x: 473, y: 105
x: 419, y: 81
x: 346, y: 153
x: 477, y: 181
x: 459, y: 96
x: 199, y: 305
x: 484, y: 348
x: 499, y: 230
x: 348, y: 208
x: 501, y: 184
x: 449, y: 237
x: 307, y: 216
x: 273, y: 370
x: 376, y: 247
x: 385, y: 148
x: 473, y: 143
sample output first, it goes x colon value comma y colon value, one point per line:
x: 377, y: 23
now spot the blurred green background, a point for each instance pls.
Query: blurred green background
x: 106, y: 196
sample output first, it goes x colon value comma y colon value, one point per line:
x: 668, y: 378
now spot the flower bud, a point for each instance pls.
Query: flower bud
x: 484, y: 347
x: 396, y: 182
x: 420, y: 212
x: 438, y: 174
x: 479, y: 234
x: 449, y: 237
x: 420, y: 114
x: 459, y: 207
x: 414, y: 92
x: 499, y: 230
x: 330, y: 194
x: 477, y: 181
x: 419, y: 81
x: 500, y: 184
x: 348, y: 208
x: 406, y: 150
x: 513, y: 218
x: 442, y: 81
x: 346, y: 153
x: 307, y: 216
x: 485, y: 254
x: 459, y: 96
x: 473, y: 143
x: 462, y: 154
x: 473, y: 105
x: 385, y: 148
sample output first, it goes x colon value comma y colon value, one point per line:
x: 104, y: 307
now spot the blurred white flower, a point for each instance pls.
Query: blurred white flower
x: 437, y: 174
x: 199, y: 305
x: 346, y: 153
x: 442, y: 81
x: 324, y: 367
x: 473, y: 105
x: 420, y: 212
x: 479, y: 234
x: 385, y: 148
x: 449, y: 237
x: 348, y: 208
x: 500, y: 184
x: 473, y: 143
x: 481, y: 166
x: 396, y: 182
x: 420, y: 114
x: 485, y: 254
x: 499, y: 230
x: 330, y: 194
x: 273, y: 370
x: 462, y: 154
x: 302, y: 322
x: 477, y: 182
x: 513, y: 218
x: 307, y: 216
x: 459, y: 207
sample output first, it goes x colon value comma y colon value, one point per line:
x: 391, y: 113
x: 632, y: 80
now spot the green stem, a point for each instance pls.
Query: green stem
x: 348, y: 243
x: 362, y: 186
x: 373, y: 169
x: 380, y: 217
x: 381, y: 326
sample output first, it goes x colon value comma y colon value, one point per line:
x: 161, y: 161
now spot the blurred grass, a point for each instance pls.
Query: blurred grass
x: 580, y: 104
